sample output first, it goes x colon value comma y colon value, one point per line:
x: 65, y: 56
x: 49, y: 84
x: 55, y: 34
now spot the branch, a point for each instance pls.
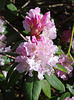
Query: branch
x: 13, y: 28
x: 7, y: 55
x: 26, y: 4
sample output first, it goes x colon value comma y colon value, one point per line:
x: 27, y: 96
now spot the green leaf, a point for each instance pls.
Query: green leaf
x: 59, y: 52
x: 14, y: 78
x: 26, y: 32
x: 55, y: 82
x: 46, y: 88
x: 32, y: 87
x: 72, y: 1
x: 6, y: 59
x: 65, y: 95
x: 10, y: 71
x: 60, y: 67
x: 2, y: 77
x: 70, y: 88
x: 12, y: 8
x: 2, y: 4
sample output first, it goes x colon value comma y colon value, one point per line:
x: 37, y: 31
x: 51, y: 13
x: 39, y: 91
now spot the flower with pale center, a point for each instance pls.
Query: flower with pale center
x: 36, y: 55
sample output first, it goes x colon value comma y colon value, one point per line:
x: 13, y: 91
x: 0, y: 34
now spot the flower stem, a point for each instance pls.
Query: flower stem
x: 71, y: 57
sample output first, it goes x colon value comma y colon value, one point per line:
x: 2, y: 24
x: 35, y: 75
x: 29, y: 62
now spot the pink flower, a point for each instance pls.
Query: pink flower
x: 2, y: 29
x: 2, y: 42
x: 65, y: 62
x: 69, y: 98
x: 2, y: 37
x: 66, y: 36
x: 50, y: 30
x: 36, y: 23
x: 3, y: 47
x: 36, y: 55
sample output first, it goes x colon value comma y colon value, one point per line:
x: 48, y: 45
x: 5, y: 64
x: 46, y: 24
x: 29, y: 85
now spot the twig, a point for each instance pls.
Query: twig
x: 64, y: 21
x: 26, y: 4
x: 14, y: 28
x: 7, y: 56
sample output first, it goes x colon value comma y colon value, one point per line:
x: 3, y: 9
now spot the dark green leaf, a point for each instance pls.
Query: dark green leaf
x: 12, y: 8
x: 70, y: 89
x: 32, y: 87
x: 55, y: 82
x: 46, y: 88
x: 65, y: 95
x: 2, y: 77
x: 14, y: 78
x: 10, y: 71
x: 60, y: 67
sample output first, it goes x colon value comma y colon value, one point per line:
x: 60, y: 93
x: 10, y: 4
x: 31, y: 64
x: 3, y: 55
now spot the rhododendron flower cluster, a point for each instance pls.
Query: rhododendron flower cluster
x: 66, y: 62
x: 37, y: 23
x: 69, y: 98
x: 37, y: 55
